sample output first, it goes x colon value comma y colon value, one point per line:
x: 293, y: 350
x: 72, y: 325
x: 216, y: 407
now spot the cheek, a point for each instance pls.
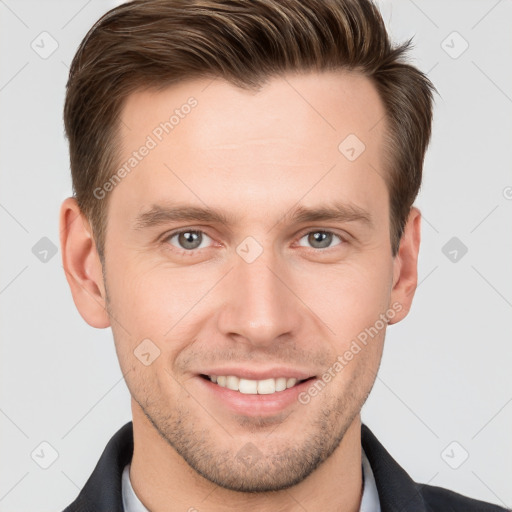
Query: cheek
x: 348, y: 298
x: 149, y: 298
x: 157, y: 304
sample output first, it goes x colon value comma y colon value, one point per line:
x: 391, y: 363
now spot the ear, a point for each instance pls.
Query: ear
x: 405, y: 266
x: 82, y: 265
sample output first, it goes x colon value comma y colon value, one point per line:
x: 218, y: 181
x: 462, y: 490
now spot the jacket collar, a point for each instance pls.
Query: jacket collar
x: 103, y: 491
x: 397, y: 491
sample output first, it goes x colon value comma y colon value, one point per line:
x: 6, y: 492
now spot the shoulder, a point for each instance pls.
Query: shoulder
x: 397, y: 490
x: 439, y: 498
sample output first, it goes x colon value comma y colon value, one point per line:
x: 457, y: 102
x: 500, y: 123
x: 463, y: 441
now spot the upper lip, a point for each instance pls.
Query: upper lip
x: 255, y: 374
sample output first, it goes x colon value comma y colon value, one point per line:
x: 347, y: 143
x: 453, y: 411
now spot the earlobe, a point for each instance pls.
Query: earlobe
x: 82, y: 265
x: 405, y: 266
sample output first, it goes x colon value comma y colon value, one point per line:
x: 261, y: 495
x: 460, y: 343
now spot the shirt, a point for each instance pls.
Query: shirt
x: 369, y: 501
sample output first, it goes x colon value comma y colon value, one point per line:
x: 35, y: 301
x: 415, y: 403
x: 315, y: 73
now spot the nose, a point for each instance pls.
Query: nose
x: 260, y: 304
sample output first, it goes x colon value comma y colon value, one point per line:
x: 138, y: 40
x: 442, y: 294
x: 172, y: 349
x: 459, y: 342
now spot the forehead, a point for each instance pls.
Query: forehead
x: 331, y: 103
x: 308, y: 135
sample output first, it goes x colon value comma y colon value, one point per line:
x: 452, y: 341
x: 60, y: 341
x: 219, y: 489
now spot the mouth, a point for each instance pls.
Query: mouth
x: 268, y: 386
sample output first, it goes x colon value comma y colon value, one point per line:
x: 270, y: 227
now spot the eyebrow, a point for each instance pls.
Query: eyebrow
x: 338, y: 212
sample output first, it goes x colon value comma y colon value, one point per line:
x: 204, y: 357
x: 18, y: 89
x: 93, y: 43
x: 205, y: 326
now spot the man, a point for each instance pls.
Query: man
x: 244, y: 175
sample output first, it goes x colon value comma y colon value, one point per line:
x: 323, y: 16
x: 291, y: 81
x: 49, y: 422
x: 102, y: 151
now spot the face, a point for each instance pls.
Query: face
x: 247, y: 242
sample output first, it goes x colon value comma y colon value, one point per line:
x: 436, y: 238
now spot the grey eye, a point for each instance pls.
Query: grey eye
x: 320, y: 239
x: 189, y: 239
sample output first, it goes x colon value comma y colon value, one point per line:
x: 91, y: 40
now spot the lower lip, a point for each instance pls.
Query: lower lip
x: 256, y: 405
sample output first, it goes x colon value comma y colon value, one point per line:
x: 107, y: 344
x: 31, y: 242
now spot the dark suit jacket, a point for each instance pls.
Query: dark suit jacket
x: 397, y: 492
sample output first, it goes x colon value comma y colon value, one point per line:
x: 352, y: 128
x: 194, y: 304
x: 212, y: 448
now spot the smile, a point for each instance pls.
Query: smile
x: 254, y: 387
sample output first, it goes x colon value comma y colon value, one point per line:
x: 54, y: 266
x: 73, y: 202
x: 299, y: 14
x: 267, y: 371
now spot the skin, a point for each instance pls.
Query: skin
x: 256, y: 156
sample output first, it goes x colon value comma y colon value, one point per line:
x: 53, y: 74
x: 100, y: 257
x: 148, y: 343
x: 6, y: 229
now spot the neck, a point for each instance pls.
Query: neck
x: 160, y: 477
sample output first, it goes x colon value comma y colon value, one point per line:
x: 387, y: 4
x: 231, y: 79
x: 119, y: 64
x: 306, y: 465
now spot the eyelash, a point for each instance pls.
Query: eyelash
x: 173, y: 234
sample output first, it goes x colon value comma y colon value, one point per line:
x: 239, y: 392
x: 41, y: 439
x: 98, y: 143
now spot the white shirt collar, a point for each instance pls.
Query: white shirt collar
x: 369, y: 502
x: 131, y: 502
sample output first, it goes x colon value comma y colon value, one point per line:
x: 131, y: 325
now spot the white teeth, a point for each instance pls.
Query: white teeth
x: 254, y: 387
x: 281, y: 384
x: 267, y: 386
x: 232, y: 382
x: 248, y: 387
x: 291, y: 382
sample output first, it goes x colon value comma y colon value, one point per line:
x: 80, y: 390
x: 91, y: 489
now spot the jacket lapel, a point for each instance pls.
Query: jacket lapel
x: 397, y: 491
x: 103, y: 491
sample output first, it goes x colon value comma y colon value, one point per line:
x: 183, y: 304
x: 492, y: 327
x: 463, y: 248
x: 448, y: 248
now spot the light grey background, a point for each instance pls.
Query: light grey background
x: 446, y: 371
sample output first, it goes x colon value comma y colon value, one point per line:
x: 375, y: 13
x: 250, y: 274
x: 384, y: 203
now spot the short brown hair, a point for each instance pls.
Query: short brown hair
x: 155, y: 43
